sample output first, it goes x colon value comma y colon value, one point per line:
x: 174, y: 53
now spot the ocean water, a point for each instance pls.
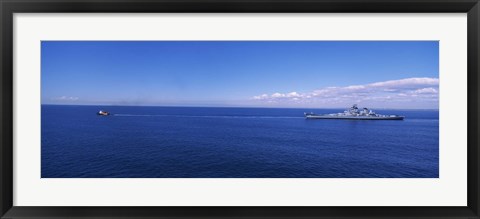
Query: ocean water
x: 201, y: 142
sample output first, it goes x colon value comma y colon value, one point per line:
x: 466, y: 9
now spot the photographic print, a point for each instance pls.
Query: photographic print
x: 240, y: 109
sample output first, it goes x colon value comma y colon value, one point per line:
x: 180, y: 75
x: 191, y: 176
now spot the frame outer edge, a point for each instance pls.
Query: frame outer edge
x: 6, y: 128
x: 2, y: 178
x: 3, y: 201
x: 473, y: 22
x: 474, y: 202
x: 6, y: 110
x: 477, y: 38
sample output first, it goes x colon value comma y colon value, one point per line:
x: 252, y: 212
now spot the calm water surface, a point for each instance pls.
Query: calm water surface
x: 172, y: 142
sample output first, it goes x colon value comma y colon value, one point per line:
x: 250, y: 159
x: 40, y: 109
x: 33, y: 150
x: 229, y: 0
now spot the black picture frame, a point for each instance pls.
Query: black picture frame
x: 9, y: 7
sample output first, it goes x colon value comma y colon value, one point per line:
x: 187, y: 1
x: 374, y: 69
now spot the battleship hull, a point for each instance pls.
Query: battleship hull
x: 355, y: 117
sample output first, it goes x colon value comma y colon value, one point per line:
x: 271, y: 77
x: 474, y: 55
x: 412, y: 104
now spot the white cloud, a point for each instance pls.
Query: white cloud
x: 65, y: 98
x: 413, y: 90
x: 261, y: 97
x: 277, y: 95
x: 293, y: 94
x: 405, y: 83
x: 428, y: 90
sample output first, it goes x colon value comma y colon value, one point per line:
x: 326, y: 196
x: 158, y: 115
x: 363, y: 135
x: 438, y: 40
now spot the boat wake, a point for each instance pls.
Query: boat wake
x: 213, y: 116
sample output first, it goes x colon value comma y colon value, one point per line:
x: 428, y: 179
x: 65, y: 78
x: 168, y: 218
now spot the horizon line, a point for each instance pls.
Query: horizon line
x: 106, y: 105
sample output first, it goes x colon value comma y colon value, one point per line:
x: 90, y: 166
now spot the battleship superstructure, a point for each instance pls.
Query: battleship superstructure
x: 354, y: 113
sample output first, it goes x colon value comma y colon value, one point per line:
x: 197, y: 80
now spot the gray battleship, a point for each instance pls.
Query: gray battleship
x: 354, y: 113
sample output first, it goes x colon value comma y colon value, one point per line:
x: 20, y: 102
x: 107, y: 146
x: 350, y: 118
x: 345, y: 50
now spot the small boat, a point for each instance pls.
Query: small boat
x: 103, y: 113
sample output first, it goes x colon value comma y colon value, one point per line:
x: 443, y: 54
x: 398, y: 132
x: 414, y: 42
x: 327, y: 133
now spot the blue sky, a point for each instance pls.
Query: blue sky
x: 316, y: 74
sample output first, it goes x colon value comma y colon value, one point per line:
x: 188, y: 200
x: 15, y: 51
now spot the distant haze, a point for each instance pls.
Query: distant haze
x: 292, y: 74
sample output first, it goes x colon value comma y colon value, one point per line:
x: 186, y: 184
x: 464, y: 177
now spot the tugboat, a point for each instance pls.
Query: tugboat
x: 355, y: 114
x: 103, y: 113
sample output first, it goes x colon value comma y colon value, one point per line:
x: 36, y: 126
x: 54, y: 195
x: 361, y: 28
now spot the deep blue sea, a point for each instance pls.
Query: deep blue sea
x: 204, y: 142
